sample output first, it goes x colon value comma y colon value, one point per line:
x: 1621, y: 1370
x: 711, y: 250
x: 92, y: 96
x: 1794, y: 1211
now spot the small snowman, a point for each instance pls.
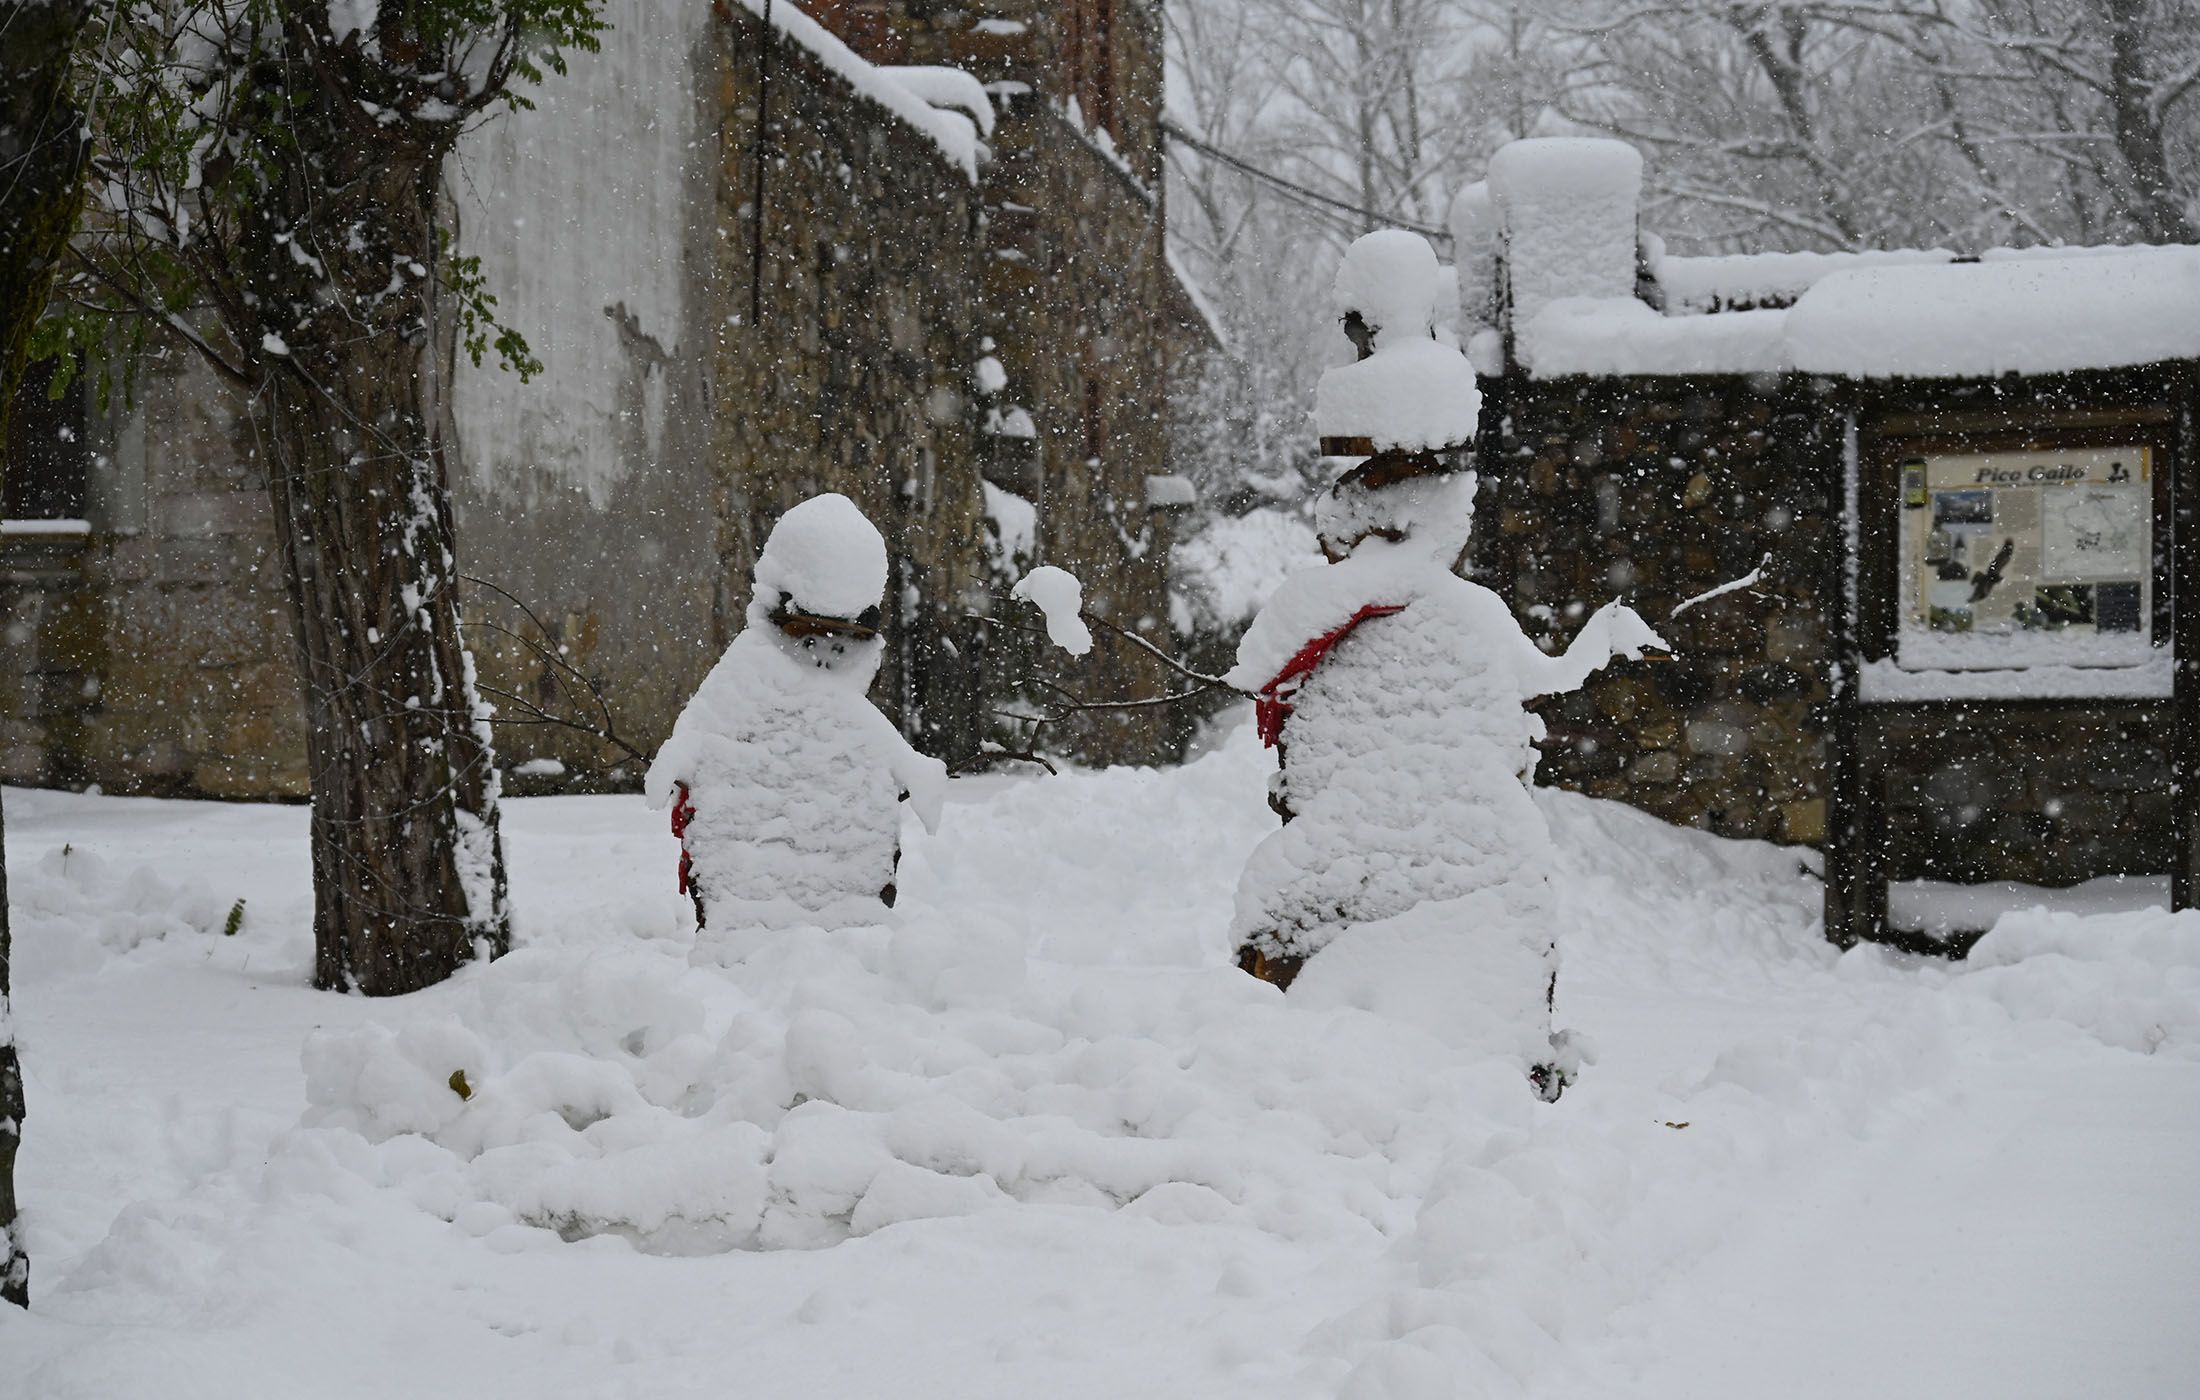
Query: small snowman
x: 1413, y: 871
x: 785, y: 782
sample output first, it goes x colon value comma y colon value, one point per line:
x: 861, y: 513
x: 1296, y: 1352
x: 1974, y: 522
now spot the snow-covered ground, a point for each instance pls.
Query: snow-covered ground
x: 1040, y: 1140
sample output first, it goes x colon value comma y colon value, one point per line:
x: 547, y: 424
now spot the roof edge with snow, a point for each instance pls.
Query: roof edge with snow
x: 953, y: 132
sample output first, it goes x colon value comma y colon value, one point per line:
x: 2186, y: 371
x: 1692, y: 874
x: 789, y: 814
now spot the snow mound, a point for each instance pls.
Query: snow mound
x: 825, y: 557
x: 1059, y: 597
x: 2130, y: 980
x: 1047, y: 1108
x: 74, y: 910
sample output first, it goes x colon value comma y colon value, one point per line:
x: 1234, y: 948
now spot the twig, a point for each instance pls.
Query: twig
x: 1747, y: 580
x: 605, y: 728
x: 1206, y: 682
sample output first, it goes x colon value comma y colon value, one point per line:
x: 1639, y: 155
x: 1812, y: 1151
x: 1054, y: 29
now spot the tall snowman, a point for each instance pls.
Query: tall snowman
x: 1412, y: 874
x: 785, y: 782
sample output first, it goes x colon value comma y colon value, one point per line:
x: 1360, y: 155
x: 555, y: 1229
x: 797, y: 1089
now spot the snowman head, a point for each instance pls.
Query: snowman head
x: 1405, y: 501
x: 818, y: 585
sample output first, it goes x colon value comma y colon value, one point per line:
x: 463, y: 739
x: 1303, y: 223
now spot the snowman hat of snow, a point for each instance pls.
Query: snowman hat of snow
x: 1410, y: 397
x: 1388, y: 282
x: 822, y: 572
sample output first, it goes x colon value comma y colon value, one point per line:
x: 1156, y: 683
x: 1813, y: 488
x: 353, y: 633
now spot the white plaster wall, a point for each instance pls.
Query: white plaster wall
x: 580, y: 205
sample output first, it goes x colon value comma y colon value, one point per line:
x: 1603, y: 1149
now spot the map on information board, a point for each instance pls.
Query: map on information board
x: 2014, y: 559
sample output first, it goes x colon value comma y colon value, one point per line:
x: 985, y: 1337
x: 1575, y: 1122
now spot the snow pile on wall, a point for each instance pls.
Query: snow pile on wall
x: 2021, y: 315
x: 1475, y: 232
x: 2009, y: 316
x: 1567, y: 210
x: 1568, y: 205
x: 1581, y: 335
x: 947, y: 87
x: 1012, y: 524
x: 1415, y: 392
x: 580, y: 213
x: 1746, y: 280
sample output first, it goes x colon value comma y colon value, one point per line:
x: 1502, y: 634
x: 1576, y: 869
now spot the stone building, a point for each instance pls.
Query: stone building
x: 910, y: 252
x: 1741, y: 447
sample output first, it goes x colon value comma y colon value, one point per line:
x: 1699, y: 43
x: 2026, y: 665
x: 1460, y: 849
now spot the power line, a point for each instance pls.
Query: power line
x: 1239, y: 163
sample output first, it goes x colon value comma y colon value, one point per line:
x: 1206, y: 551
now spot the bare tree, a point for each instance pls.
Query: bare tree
x: 279, y: 163
x: 1874, y: 123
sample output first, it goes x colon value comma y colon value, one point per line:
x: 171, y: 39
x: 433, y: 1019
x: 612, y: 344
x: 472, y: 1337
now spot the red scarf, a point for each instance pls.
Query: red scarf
x: 1272, y: 706
x: 683, y: 812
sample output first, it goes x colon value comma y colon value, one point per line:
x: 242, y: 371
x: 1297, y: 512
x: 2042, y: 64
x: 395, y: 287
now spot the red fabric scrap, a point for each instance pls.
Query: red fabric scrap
x: 1272, y: 706
x: 683, y: 812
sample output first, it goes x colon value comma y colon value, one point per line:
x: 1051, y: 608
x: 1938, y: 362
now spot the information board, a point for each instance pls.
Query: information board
x: 2014, y: 559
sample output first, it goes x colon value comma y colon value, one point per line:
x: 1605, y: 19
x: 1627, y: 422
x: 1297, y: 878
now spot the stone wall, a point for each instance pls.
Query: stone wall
x: 164, y: 664
x: 1658, y: 490
x: 1077, y: 296
x: 1082, y: 311
x: 855, y: 376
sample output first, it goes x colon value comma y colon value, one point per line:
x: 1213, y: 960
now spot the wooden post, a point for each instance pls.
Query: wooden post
x: 1848, y: 865
x: 2184, y: 581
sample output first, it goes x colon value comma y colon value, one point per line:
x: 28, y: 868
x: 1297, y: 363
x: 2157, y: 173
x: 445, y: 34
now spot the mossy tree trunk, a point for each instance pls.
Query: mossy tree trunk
x: 338, y: 270
x: 42, y: 152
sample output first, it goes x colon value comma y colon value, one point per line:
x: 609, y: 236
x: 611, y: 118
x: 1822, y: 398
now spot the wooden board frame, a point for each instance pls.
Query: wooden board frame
x: 1883, y: 426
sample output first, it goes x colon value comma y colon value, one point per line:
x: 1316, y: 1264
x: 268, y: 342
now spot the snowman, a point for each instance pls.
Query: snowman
x: 1413, y: 871
x: 785, y: 782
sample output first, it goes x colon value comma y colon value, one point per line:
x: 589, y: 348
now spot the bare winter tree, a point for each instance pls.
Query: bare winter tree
x: 2118, y: 84
x: 1383, y: 108
x: 1875, y: 123
x: 42, y: 151
x: 270, y: 179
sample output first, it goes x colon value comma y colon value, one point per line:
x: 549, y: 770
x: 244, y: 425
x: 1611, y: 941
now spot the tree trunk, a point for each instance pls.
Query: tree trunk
x: 343, y: 331
x: 42, y: 151
x: 15, y: 1263
x: 2139, y: 138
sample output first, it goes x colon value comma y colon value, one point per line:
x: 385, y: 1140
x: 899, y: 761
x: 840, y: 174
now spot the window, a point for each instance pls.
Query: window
x: 49, y: 457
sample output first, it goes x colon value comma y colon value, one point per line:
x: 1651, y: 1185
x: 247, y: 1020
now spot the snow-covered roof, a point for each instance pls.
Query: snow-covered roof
x: 1566, y: 226
x: 907, y: 93
x: 1195, y: 298
x: 1743, y: 281
x: 2014, y: 316
x: 2027, y: 314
